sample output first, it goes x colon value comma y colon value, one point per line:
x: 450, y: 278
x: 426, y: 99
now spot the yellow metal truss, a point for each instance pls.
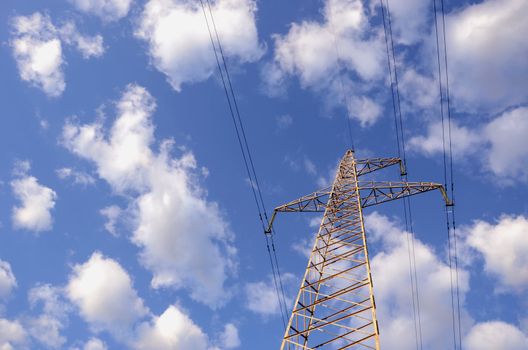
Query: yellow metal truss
x: 335, y: 307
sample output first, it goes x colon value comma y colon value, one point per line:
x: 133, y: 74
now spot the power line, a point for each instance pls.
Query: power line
x: 450, y: 219
x: 400, y: 139
x: 341, y: 82
x: 246, y: 155
x: 452, y: 175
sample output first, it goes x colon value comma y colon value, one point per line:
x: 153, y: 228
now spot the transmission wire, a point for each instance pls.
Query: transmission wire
x: 451, y: 239
x: 452, y: 176
x: 400, y: 138
x: 251, y: 173
x: 341, y: 82
x: 249, y: 156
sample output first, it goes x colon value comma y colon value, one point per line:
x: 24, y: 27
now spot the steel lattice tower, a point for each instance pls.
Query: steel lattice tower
x: 335, y: 307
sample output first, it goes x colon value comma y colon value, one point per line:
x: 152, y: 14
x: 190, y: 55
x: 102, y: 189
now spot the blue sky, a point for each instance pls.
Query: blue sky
x: 126, y: 218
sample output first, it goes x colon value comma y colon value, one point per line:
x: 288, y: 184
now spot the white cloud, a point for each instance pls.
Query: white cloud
x: 308, y: 51
x: 390, y: 273
x: 112, y: 214
x: 88, y: 46
x: 37, y: 48
x: 95, y: 344
x: 465, y: 141
x: 229, y: 338
x: 183, y: 237
x: 78, y: 177
x: 179, y: 43
x: 172, y: 330
x: 12, y: 335
x: 487, y: 54
x: 261, y: 296
x: 36, y: 203
x: 508, y: 154
x: 495, y: 335
x: 504, y: 247
x: 102, y: 291
x: 502, y: 140
x: 47, y: 331
x: 410, y: 19
x: 38, y: 53
x: 417, y: 91
x: 7, y: 279
x: 47, y: 326
x: 107, y: 10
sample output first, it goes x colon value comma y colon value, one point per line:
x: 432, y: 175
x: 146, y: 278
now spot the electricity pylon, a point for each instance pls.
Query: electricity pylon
x: 335, y: 306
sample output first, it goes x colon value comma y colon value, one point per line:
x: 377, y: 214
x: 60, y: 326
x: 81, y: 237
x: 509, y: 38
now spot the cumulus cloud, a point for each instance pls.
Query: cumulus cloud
x: 78, y: 177
x: 308, y: 51
x: 495, y: 335
x: 487, y: 54
x: 46, y: 328
x: 7, y: 279
x: 88, y: 46
x: 107, y: 10
x: 465, y: 141
x: 178, y: 41
x: 508, y: 154
x: 261, y: 296
x: 38, y: 52
x: 417, y: 91
x: 229, y: 338
x: 504, y: 248
x: 12, y: 335
x: 36, y: 202
x: 502, y: 140
x: 111, y: 213
x: 173, y: 329
x: 183, y: 237
x: 95, y: 344
x: 410, y: 19
x: 103, y: 293
x: 37, y: 46
x: 390, y: 273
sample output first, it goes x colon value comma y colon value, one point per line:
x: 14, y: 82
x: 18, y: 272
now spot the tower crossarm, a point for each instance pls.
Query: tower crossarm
x: 366, y: 166
x: 372, y: 193
x: 377, y: 192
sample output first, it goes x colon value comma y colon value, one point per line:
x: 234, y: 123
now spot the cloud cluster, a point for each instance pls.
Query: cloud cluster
x: 184, y: 239
x: 37, y: 46
x: 261, y: 296
x: 178, y: 41
x: 7, y: 279
x: 36, y: 201
x: 487, y: 54
x: 308, y: 52
x: 12, y: 335
x: 102, y: 290
x: 47, y: 327
x: 107, y: 10
x: 229, y: 337
x: 171, y: 330
x: 502, y: 141
x: 78, y: 177
x: 390, y: 273
x: 504, y: 247
x: 102, y: 293
x: 495, y: 335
